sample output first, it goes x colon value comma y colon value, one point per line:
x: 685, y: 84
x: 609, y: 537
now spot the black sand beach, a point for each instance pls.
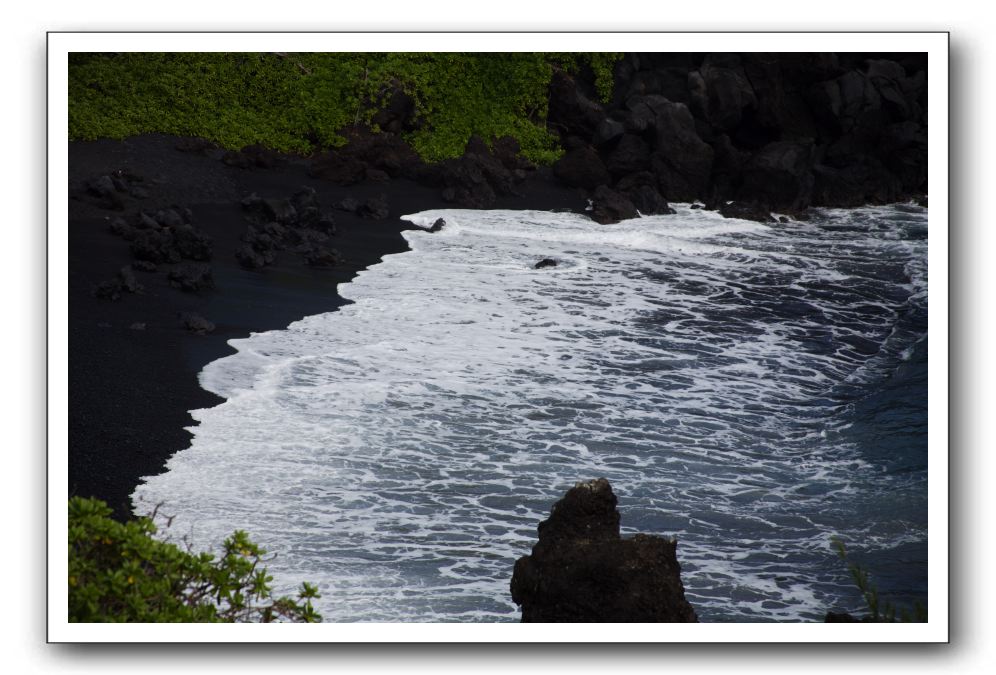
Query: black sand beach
x: 747, y: 134
x: 131, y: 386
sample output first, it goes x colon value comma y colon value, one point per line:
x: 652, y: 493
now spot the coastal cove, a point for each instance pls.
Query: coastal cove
x: 132, y: 388
x: 706, y: 284
x: 401, y: 450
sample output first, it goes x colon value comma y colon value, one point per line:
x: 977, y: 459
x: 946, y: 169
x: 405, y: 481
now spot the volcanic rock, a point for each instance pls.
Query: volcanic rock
x: 121, y: 228
x: 581, y: 570
x: 191, y: 243
x: 144, y: 266
x: 191, y: 277
x: 609, y: 206
x: 649, y: 201
x: 108, y: 290
x: 155, y: 246
x: 570, y: 111
x: 348, y: 204
x: 746, y: 211
x: 169, y: 218
x: 322, y: 256
x: 128, y: 281
x: 581, y: 167
x: 259, y: 210
x: 608, y: 131
x: 780, y: 174
x: 398, y: 113
x: 196, y: 323
x: 146, y: 222
x: 375, y: 208
x: 251, y: 259
x: 104, y: 193
x: 682, y: 160
x: 630, y: 155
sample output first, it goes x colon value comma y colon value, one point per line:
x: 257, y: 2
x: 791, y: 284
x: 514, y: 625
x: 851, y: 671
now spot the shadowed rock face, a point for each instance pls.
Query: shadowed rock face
x: 581, y: 570
x: 784, y: 131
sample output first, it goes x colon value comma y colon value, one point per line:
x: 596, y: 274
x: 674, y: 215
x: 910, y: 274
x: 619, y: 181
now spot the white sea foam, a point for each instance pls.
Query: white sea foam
x: 402, y: 450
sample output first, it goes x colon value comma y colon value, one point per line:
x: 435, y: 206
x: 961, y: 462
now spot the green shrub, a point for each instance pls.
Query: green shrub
x: 303, y: 102
x: 878, y: 611
x: 119, y: 573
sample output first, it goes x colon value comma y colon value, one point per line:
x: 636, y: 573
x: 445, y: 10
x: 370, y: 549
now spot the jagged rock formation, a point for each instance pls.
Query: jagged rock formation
x: 778, y: 131
x: 581, y: 570
x: 298, y: 223
x: 770, y: 131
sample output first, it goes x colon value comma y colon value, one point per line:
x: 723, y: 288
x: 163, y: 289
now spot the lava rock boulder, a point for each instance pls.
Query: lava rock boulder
x: 581, y: 570
x: 609, y: 206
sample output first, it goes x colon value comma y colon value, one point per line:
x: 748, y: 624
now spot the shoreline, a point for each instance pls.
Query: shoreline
x: 133, y: 366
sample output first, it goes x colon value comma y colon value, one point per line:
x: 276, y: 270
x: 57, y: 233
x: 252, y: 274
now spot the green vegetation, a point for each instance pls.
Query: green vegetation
x: 302, y: 102
x: 119, y: 573
x: 877, y: 611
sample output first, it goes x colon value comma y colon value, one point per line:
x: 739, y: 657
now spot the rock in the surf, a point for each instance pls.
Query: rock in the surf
x: 581, y: 570
x: 609, y: 206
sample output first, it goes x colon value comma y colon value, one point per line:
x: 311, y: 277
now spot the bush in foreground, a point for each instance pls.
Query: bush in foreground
x: 119, y: 573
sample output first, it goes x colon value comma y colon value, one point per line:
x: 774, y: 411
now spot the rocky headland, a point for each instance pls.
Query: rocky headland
x: 746, y: 134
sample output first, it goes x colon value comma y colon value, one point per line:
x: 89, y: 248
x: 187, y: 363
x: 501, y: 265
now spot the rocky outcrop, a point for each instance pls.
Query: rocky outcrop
x: 375, y: 208
x: 609, y: 206
x: 571, y: 111
x: 166, y: 237
x: 581, y: 570
x: 191, y: 277
x: 298, y: 223
x: 641, y: 189
x: 783, y: 131
x: 195, y: 323
x: 111, y: 191
x: 476, y: 179
x: 746, y: 211
x: 124, y: 282
x: 582, y: 167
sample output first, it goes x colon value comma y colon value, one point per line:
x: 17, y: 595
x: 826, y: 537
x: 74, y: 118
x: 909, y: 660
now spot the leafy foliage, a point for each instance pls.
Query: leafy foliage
x: 878, y: 611
x: 305, y: 101
x: 601, y: 65
x: 119, y: 573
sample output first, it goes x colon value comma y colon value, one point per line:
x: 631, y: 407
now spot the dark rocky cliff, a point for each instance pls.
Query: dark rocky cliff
x: 771, y: 132
x: 784, y: 131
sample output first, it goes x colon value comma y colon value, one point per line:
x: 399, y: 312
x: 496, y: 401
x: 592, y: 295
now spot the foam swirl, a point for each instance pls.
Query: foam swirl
x: 402, y: 450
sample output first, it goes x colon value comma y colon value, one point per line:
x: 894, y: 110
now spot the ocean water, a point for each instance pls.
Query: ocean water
x: 752, y: 389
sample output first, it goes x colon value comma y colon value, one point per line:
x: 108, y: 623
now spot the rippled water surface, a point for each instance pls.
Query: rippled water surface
x: 751, y: 388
